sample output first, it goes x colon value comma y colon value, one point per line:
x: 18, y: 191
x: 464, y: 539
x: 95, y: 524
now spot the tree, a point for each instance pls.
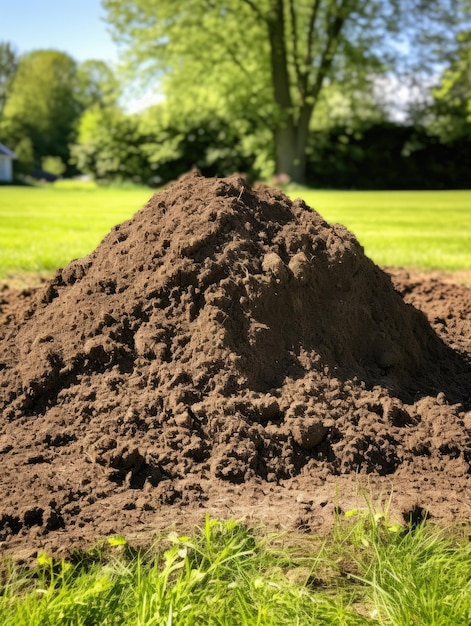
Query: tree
x: 152, y: 147
x: 25, y: 155
x: 97, y: 85
x: 8, y: 67
x: 42, y: 105
x: 452, y: 98
x: 53, y: 165
x: 109, y: 147
x: 268, y: 60
x: 175, y: 144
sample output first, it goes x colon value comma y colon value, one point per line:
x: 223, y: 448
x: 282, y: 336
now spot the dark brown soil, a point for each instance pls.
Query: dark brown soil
x: 227, y: 350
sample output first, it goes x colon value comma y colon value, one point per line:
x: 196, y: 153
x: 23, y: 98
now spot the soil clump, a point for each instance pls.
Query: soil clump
x: 227, y: 350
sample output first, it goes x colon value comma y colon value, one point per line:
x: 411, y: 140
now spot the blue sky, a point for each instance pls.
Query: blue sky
x: 75, y: 27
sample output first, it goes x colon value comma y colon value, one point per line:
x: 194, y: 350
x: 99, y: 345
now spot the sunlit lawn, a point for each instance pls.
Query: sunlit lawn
x: 44, y: 228
x: 426, y: 229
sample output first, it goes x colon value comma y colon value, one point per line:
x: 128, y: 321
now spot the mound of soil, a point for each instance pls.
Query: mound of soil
x: 225, y: 350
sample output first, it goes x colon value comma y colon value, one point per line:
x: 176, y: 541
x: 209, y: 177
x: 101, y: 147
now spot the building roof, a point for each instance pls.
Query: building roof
x: 7, y: 152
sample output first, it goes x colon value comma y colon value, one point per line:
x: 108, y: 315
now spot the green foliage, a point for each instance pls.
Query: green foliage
x: 452, y: 98
x: 54, y: 165
x: 352, y: 106
x: 97, y: 85
x: 42, y: 106
x: 109, y: 147
x: 240, y: 72
x: 174, y: 143
x: 25, y: 156
x: 8, y: 67
x: 266, y: 63
x: 416, y: 574
x: 387, y: 156
x: 421, y: 578
x: 224, y: 574
x: 157, y: 146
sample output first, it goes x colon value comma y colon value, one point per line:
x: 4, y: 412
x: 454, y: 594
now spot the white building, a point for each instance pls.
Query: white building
x: 6, y: 164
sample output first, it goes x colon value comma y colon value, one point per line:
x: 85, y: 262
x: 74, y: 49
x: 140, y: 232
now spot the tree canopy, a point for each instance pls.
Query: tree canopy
x: 452, y: 97
x: 291, y: 87
x: 97, y: 84
x: 8, y: 67
x: 268, y: 61
x: 44, y: 98
x: 42, y: 104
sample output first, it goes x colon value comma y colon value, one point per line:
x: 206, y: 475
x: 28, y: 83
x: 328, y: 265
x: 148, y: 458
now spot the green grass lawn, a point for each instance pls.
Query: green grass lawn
x: 226, y: 574
x: 424, y: 229
x: 43, y: 228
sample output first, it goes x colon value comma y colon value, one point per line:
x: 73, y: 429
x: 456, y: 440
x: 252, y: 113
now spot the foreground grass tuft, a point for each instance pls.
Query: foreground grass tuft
x: 366, y: 572
x: 421, y: 579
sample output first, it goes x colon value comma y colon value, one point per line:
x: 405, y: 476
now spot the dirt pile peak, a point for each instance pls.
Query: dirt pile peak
x: 235, y: 288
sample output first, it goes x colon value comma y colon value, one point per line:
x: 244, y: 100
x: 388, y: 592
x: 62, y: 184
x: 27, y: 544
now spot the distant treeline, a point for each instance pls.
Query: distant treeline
x: 382, y: 155
x: 66, y: 118
x: 388, y: 156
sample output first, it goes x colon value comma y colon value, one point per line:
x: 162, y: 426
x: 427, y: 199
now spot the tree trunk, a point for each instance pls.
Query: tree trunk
x: 291, y: 132
x: 284, y: 132
x: 290, y: 147
x: 289, y: 160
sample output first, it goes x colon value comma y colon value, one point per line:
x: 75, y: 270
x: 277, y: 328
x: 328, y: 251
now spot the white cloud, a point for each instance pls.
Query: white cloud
x: 399, y: 94
x: 144, y: 101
